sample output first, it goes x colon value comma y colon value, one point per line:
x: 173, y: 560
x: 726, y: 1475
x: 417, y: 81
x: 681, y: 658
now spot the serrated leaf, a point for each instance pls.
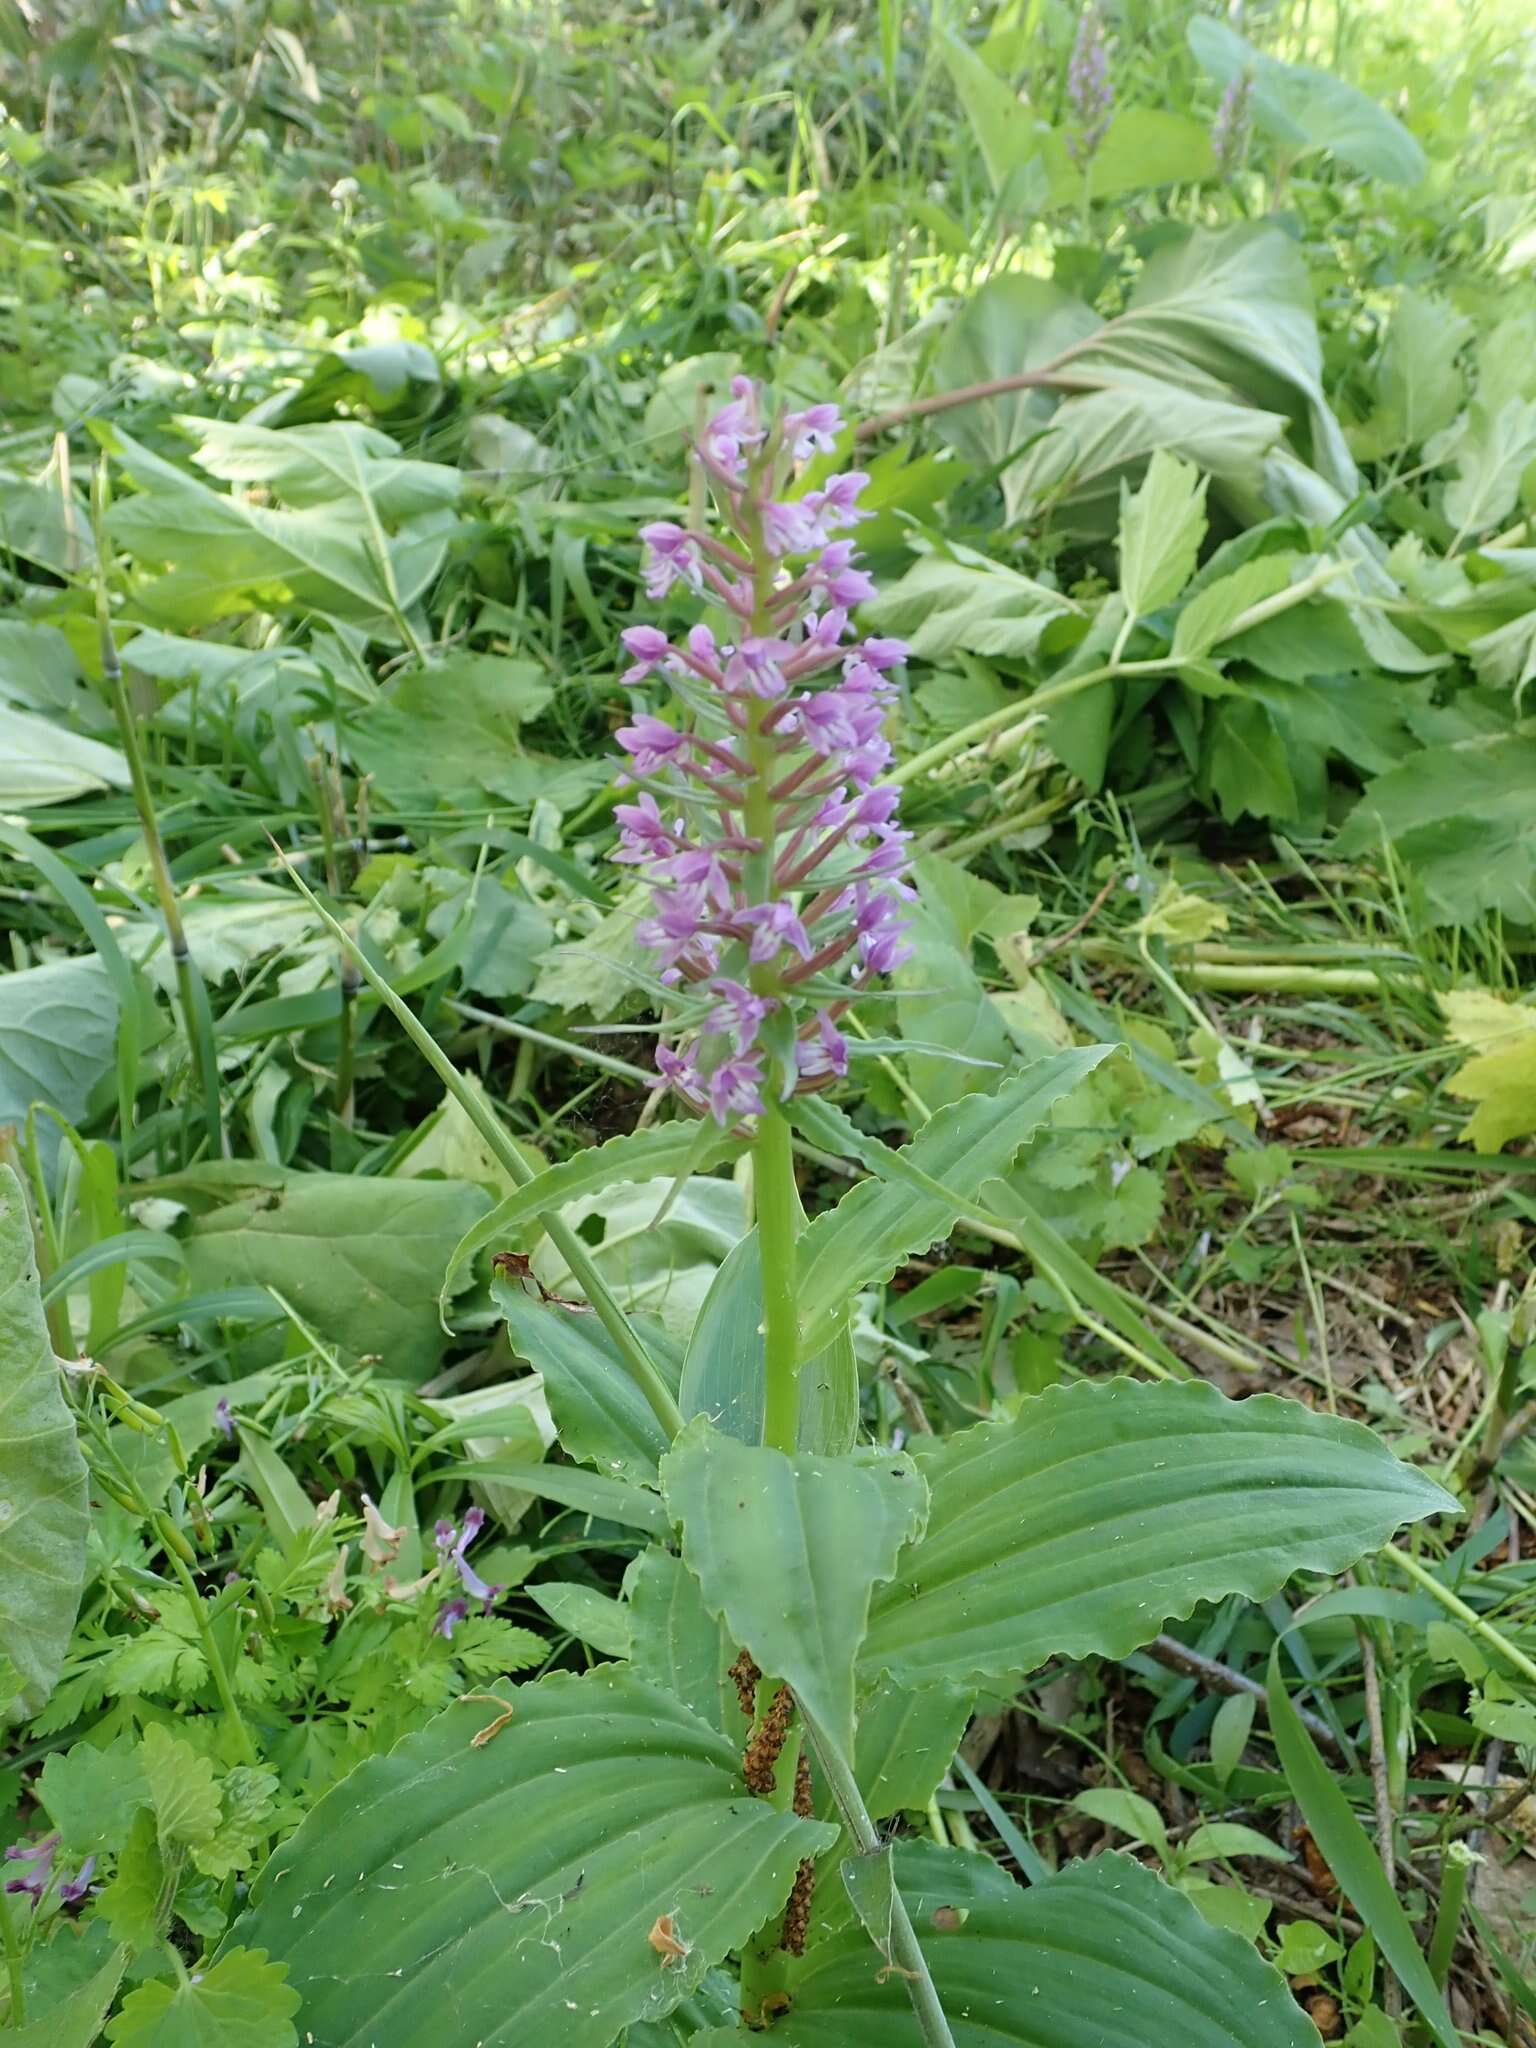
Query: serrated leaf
x: 1102, y: 1510
x: 882, y: 1223
x: 1492, y: 452
x: 513, y: 1884
x: 1501, y: 1076
x: 788, y: 1549
x: 1102, y: 1955
x: 42, y: 1474
x: 130, y: 1904
x: 1161, y: 528
x: 240, y: 2001
x: 182, y: 1788
x: 91, y: 1794
x: 905, y: 1743
x: 1211, y: 613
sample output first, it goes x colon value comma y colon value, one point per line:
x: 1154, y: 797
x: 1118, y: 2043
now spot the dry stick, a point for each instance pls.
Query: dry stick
x: 1217, y: 1677
x: 1381, y: 1791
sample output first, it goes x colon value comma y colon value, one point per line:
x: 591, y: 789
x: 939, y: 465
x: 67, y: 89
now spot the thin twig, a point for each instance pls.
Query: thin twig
x: 1218, y: 1677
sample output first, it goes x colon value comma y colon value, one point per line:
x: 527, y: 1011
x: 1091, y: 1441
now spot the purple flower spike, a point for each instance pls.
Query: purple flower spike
x: 775, y: 860
x: 1090, y: 92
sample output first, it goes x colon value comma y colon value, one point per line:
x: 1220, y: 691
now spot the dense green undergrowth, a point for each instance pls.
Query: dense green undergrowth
x: 342, y: 352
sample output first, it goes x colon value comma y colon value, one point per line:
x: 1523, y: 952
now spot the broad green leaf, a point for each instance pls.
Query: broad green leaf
x: 1419, y: 383
x: 1129, y: 1813
x: 1492, y: 452
x: 181, y: 1788
x: 787, y: 1550
x: 583, y: 1612
x: 676, y: 1643
x: 360, y: 1259
x: 905, y: 1743
x: 1005, y: 128
x: 452, y: 731
x: 1102, y: 1510
x: 42, y: 1475
x: 600, y: 1415
x: 589, y: 1493
x: 1347, y: 1850
x: 513, y: 1885
x: 76, y: 2021
x: 943, y: 606
x: 317, y: 465
x: 239, y: 2001
x: 1161, y: 527
x: 659, y: 1245
x: 676, y: 1148
x: 1211, y: 613
x: 723, y: 1368
x: 226, y: 552
x: 58, y: 1041
x: 1304, y: 109
x: 43, y: 763
x: 1103, y: 1955
x: 1246, y: 763
x: 1460, y: 817
x: 1143, y: 147
x: 92, y: 1794
x: 880, y: 1224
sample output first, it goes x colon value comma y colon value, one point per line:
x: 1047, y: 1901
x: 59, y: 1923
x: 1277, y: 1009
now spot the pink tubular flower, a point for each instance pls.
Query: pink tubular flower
x: 776, y: 863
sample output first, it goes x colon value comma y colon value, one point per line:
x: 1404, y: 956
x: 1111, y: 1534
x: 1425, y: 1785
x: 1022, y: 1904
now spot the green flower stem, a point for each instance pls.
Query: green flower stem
x: 1467, y: 1616
x: 18, y: 2012
x: 637, y: 1361
x: 778, y: 1227
x: 906, y: 1951
x: 196, y: 1017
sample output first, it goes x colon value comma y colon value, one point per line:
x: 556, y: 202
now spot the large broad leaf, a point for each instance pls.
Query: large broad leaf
x: 1101, y: 1510
x: 359, y: 1259
x: 42, y: 1477
x: 676, y: 1643
x: 966, y: 604
x: 505, y: 1892
x: 657, y: 1245
x: 452, y: 730
x: 1217, y: 349
x: 600, y: 1415
x: 787, y: 1549
x: 880, y: 1224
x: 336, y: 554
x: 906, y: 1742
x: 1102, y: 1956
x: 675, y: 1148
x: 723, y: 1367
x: 75, y: 2022
x: 43, y: 763
x: 58, y: 1039
x: 1304, y: 109
x: 1461, y: 817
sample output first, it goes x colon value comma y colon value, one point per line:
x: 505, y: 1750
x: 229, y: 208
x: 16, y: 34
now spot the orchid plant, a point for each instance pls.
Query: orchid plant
x: 697, y: 1837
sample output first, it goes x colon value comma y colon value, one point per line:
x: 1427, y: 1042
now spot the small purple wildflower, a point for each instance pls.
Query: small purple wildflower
x: 776, y: 867
x: 1090, y: 93
x: 39, y: 1858
x: 223, y: 1419
x: 451, y: 1546
x: 449, y: 1615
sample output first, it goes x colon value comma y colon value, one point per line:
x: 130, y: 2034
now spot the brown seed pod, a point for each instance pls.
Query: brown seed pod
x: 767, y: 1744
x: 746, y: 1674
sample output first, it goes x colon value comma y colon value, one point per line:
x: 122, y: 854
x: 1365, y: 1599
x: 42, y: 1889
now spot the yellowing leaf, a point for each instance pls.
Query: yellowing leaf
x: 1501, y: 1076
x: 1181, y: 917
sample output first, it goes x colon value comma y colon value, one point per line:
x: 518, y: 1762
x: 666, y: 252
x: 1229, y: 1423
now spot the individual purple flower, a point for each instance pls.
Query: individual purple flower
x: 735, y: 1088
x: 73, y: 1889
x: 651, y: 743
x: 771, y: 845
x: 449, y: 1615
x: 451, y: 1546
x: 812, y: 432
x: 223, y: 1418
x: 650, y: 649
x: 38, y: 1856
x: 671, y: 556
x: 1090, y: 94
